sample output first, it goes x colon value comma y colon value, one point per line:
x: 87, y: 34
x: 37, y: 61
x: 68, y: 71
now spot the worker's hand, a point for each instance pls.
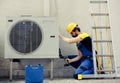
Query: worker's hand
x: 68, y: 60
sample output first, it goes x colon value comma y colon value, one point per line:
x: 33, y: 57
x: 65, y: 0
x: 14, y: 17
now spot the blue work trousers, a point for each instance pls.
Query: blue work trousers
x: 83, y: 66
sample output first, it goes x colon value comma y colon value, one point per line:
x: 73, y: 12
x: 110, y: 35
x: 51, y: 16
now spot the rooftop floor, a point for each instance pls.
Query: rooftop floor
x: 69, y: 80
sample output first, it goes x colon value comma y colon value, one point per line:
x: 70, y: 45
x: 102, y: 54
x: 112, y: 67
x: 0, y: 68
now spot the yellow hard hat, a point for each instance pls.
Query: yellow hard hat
x: 70, y: 27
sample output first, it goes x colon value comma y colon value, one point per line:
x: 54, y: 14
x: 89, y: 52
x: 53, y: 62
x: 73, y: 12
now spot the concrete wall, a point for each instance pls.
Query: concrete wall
x: 67, y: 11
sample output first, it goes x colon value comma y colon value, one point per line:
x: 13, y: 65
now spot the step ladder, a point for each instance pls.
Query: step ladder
x: 104, y: 60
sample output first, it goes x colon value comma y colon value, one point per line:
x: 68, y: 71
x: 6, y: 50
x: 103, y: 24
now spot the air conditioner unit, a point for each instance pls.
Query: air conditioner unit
x: 31, y: 37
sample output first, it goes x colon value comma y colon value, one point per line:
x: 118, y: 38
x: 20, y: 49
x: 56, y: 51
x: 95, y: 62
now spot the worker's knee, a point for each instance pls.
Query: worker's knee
x: 80, y: 70
x: 86, y: 64
x: 83, y: 70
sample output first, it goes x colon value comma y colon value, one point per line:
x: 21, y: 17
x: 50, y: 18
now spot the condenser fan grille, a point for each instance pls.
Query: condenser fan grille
x: 25, y: 36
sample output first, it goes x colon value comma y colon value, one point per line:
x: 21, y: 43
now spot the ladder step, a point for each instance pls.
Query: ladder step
x: 101, y: 27
x: 99, y: 76
x: 105, y: 70
x: 105, y: 55
x: 98, y: 1
x: 99, y: 14
x: 101, y: 41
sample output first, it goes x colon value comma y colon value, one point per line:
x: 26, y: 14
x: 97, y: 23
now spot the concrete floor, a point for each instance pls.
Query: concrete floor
x: 69, y: 80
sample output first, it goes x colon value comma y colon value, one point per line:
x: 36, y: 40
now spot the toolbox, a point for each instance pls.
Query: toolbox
x: 34, y: 74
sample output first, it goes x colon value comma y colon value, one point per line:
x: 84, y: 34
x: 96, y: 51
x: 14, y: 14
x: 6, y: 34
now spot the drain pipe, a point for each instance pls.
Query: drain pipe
x: 47, y: 13
x: 46, y: 7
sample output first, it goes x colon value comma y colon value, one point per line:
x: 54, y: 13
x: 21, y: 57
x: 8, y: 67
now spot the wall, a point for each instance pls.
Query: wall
x: 115, y: 24
x: 67, y: 11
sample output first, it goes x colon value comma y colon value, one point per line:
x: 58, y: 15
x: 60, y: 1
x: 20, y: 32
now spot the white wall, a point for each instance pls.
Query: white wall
x: 67, y: 11
x: 115, y: 23
x: 72, y: 11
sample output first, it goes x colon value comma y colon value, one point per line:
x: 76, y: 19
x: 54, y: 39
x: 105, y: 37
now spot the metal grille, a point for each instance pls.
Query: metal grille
x: 25, y: 36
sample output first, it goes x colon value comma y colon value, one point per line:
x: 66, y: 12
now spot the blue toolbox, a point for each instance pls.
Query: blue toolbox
x: 34, y: 74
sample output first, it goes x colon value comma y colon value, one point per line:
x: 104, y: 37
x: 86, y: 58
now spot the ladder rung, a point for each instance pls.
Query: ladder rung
x: 105, y: 55
x: 101, y: 27
x: 102, y: 41
x: 98, y: 1
x: 99, y: 14
x: 105, y: 70
x: 113, y: 75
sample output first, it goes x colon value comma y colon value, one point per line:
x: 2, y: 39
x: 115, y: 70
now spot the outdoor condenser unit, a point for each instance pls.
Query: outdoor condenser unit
x: 31, y: 37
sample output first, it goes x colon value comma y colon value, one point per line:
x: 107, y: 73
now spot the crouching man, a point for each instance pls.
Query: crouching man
x: 83, y: 62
